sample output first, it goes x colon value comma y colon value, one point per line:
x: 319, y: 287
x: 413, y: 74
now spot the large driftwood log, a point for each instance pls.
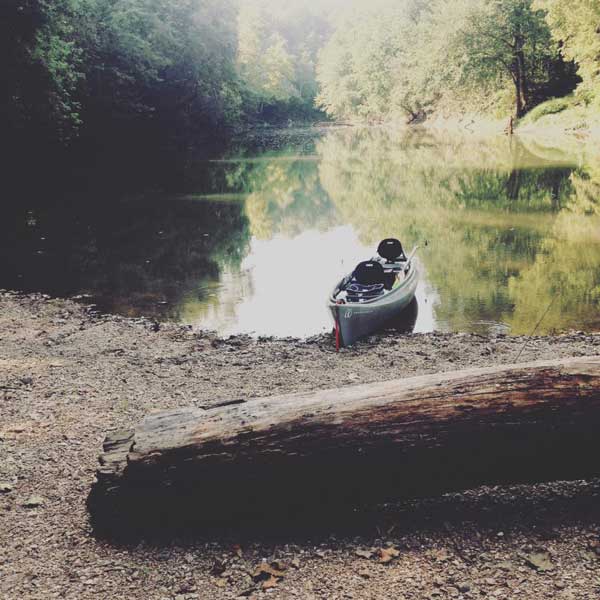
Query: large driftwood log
x: 412, y: 437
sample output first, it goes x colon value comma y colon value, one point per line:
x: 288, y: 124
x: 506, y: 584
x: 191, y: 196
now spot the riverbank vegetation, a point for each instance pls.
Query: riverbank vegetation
x: 472, y: 56
x: 182, y: 71
x: 158, y: 71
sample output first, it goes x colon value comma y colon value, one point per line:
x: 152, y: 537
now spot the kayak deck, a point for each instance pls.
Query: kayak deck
x: 359, y: 310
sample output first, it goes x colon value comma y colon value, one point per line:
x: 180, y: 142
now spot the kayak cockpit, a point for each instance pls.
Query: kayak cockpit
x: 374, y: 278
x: 358, y: 287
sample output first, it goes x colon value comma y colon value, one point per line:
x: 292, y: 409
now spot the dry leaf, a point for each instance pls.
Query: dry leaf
x: 270, y: 583
x: 441, y: 555
x: 264, y: 571
x: 540, y: 561
x: 387, y: 555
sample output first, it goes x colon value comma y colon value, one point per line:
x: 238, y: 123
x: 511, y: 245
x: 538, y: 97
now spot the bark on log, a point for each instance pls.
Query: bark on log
x: 413, y: 437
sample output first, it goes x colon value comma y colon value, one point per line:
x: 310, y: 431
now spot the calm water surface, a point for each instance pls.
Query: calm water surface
x: 253, y: 240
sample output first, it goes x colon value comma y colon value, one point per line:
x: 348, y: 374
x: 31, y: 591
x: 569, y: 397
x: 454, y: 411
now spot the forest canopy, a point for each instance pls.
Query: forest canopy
x: 409, y: 59
x: 164, y: 71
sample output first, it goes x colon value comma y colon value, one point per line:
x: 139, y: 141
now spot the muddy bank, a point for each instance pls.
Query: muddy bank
x: 68, y: 375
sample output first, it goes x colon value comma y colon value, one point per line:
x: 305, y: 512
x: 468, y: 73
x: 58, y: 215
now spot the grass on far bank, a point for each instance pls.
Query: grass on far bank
x: 569, y: 114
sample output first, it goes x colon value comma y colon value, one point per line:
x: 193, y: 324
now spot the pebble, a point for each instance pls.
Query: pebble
x: 33, y: 502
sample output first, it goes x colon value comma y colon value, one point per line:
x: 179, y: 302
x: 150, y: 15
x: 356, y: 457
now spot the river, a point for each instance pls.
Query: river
x: 253, y: 239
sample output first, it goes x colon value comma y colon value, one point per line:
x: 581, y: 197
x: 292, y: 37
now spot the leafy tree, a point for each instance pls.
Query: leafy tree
x: 356, y: 68
x: 575, y: 25
x: 277, y: 52
x: 40, y: 69
x: 414, y: 57
x: 155, y: 60
x: 504, y: 40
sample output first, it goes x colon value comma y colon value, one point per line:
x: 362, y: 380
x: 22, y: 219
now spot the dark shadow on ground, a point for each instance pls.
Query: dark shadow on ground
x: 539, y: 510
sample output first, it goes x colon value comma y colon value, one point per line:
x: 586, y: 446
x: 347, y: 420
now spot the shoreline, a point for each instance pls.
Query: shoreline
x: 68, y: 376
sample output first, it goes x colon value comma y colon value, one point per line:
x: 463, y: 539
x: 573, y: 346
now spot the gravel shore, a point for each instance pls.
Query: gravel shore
x: 68, y: 375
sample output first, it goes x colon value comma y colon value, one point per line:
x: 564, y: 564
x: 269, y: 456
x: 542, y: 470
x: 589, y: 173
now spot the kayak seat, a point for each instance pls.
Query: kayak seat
x: 370, y: 279
x: 368, y: 273
x: 391, y: 250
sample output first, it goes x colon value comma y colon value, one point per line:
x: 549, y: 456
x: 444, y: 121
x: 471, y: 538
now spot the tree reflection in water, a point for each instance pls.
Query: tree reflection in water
x: 254, y: 241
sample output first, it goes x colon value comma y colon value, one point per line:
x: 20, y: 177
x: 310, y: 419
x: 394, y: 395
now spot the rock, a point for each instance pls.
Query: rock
x: 5, y: 488
x: 441, y: 555
x: 540, y: 561
x: 33, y: 502
x: 464, y: 587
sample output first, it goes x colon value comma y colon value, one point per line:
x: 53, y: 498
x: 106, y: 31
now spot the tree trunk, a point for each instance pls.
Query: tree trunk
x: 411, y: 437
x: 520, y: 78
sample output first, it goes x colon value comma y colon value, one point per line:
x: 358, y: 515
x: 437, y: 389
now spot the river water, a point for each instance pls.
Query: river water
x: 253, y: 240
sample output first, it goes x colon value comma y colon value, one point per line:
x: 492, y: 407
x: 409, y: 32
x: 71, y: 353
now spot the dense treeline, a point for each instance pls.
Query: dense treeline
x: 408, y: 59
x: 85, y: 65
x: 160, y: 71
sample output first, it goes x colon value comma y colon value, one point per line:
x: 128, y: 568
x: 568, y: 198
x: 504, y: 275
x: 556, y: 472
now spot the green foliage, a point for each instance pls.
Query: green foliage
x: 159, y: 61
x: 153, y: 71
x: 415, y: 57
x: 550, y: 107
x: 356, y: 68
x: 277, y: 52
x: 40, y: 69
x: 575, y: 25
x: 178, y: 71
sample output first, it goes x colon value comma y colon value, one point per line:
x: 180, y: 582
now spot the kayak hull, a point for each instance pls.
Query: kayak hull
x: 358, y: 320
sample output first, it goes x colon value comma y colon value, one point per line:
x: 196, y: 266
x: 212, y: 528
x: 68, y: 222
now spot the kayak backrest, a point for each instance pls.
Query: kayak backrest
x: 369, y: 272
x: 391, y: 249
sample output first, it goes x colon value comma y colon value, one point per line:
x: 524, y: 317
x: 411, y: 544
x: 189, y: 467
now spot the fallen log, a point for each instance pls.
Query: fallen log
x: 419, y: 436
